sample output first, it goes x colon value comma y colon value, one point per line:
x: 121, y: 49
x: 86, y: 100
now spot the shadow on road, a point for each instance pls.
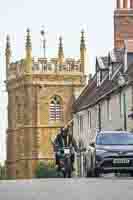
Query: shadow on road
x: 116, y: 176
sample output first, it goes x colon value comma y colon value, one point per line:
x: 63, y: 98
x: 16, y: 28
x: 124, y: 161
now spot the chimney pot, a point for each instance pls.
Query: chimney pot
x: 125, y: 3
x: 118, y: 6
x: 131, y: 4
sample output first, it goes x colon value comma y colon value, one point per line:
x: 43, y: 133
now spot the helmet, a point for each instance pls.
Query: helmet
x: 61, y: 129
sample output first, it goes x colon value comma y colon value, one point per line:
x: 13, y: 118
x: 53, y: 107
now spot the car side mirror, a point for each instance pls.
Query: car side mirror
x: 92, y: 144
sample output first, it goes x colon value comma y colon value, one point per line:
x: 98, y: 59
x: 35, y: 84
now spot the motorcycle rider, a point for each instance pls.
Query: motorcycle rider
x: 65, y: 139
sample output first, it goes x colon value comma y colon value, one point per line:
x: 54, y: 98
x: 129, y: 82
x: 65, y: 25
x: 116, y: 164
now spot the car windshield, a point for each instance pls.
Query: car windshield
x: 114, y: 139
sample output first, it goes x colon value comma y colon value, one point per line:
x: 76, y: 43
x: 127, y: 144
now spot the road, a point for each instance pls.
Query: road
x: 104, y: 188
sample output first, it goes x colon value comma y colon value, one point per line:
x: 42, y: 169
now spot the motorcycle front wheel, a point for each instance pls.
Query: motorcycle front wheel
x: 68, y: 168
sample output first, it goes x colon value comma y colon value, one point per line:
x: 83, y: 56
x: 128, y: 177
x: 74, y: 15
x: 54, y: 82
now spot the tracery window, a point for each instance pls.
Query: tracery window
x: 55, y: 109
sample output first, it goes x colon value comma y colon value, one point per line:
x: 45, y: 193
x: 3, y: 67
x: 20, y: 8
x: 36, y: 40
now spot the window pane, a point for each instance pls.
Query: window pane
x: 55, y: 109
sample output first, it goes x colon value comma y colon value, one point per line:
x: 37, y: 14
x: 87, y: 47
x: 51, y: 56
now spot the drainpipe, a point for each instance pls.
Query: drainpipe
x: 99, y: 116
x: 124, y: 109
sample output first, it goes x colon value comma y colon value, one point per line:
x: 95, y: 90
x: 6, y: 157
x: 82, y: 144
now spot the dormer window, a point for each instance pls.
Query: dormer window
x: 98, y: 78
x: 110, y: 71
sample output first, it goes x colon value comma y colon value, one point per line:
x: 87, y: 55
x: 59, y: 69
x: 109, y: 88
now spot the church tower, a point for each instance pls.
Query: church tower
x: 40, y: 94
x: 123, y: 22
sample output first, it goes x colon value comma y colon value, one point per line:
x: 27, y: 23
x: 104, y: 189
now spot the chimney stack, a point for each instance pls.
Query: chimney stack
x: 131, y: 4
x: 125, y: 4
x: 118, y: 6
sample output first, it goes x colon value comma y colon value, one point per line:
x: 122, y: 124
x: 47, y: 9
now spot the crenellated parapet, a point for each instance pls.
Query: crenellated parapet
x: 42, y: 66
x: 45, y: 65
x: 30, y: 65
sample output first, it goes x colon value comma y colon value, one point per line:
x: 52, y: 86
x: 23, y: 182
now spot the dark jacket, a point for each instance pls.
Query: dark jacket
x: 65, y: 141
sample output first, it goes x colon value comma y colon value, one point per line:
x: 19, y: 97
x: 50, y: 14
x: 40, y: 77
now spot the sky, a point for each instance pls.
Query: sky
x: 59, y: 17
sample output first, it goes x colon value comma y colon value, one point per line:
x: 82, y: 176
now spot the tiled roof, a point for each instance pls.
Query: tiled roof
x: 94, y: 93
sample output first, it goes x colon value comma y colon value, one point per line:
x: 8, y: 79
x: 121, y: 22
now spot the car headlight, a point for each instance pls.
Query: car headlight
x: 100, y: 151
x: 129, y: 153
x: 99, y: 155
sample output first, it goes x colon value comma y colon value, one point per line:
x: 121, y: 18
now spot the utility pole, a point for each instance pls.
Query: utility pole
x: 99, y: 116
x: 124, y: 113
x: 122, y: 83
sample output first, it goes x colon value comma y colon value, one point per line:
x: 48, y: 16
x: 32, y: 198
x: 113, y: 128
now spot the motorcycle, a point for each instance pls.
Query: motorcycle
x: 65, y: 163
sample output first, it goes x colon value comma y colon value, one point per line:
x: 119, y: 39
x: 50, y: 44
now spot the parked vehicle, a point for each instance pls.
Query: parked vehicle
x: 65, y: 164
x: 112, y: 151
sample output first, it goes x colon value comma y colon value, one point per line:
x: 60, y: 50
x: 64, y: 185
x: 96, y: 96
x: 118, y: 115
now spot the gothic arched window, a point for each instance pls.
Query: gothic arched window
x: 55, y: 109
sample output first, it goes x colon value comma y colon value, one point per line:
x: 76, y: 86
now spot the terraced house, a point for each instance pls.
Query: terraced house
x: 107, y: 100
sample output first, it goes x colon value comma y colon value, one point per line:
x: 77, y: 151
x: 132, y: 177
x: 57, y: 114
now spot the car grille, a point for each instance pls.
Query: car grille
x: 109, y: 163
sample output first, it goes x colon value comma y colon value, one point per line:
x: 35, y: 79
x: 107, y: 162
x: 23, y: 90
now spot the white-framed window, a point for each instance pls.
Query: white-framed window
x: 120, y: 104
x: 97, y: 116
x: 56, y: 109
x: 81, y: 123
x: 78, y: 118
x: 108, y: 109
x: 89, y: 119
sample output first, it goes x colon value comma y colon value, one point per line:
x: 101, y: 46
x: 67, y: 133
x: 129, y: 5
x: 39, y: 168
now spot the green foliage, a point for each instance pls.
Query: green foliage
x: 2, y: 172
x: 44, y: 170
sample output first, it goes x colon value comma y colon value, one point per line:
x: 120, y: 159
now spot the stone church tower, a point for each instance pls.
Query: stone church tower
x: 123, y: 22
x: 40, y: 96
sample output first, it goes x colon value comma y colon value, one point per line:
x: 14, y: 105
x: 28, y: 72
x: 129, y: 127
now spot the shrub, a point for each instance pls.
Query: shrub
x: 44, y: 170
x: 2, y: 172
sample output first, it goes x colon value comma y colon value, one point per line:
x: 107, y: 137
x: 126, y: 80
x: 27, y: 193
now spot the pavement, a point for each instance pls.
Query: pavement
x: 104, y: 188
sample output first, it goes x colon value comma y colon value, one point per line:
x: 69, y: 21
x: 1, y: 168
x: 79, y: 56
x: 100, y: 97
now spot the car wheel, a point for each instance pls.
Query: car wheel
x: 131, y: 174
x: 96, y: 173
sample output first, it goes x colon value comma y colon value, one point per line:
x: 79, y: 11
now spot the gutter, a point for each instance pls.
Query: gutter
x: 103, y: 96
